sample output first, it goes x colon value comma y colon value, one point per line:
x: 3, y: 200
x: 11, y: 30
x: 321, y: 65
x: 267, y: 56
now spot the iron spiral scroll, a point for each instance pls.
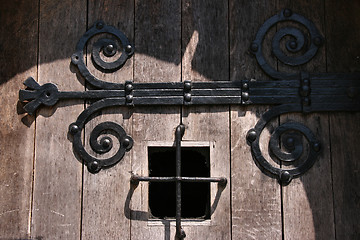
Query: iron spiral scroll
x: 290, y: 135
x: 291, y: 143
x: 300, y: 47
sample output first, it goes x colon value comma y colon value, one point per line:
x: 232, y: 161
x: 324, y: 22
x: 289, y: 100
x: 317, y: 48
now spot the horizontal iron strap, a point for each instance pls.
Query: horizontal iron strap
x: 334, y: 107
x: 269, y: 100
x: 205, y: 100
x: 194, y: 85
x: 92, y: 94
x: 136, y: 178
x: 180, y: 92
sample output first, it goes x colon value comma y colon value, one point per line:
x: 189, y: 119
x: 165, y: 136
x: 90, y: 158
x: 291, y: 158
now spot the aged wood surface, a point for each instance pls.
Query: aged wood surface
x: 205, y: 24
x: 57, y: 183
x: 157, y: 59
x: 18, y: 54
x: 342, y: 21
x: 46, y: 192
x: 307, y: 201
x: 104, y: 193
x: 256, y: 203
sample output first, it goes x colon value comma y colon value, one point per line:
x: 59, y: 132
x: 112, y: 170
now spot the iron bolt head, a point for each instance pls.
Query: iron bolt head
x: 317, y: 41
x: 293, y: 44
x: 254, y: 47
x: 306, y: 82
x: 106, y: 143
x: 99, y: 25
x: 94, y: 167
x: 316, y: 146
x: 285, y: 177
x: 251, y: 135
x: 129, y: 98
x: 73, y: 128
x: 128, y: 48
x: 287, y: 12
x: 187, y: 97
x: 306, y: 101
x: 304, y: 91
x: 110, y: 48
x: 351, y: 92
x: 290, y: 142
x: 126, y: 142
x: 129, y: 87
x: 187, y: 86
x: 245, y: 96
x: 245, y: 86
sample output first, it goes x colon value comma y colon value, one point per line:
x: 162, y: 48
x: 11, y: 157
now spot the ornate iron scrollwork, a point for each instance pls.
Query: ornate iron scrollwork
x: 290, y: 92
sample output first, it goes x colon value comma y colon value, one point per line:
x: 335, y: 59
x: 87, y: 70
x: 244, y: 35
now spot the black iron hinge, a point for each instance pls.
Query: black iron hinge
x: 289, y: 92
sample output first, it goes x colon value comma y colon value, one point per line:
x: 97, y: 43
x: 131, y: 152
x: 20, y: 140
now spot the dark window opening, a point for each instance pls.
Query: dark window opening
x: 195, y: 197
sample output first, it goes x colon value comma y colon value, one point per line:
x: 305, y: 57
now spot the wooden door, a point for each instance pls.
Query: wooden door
x: 48, y: 193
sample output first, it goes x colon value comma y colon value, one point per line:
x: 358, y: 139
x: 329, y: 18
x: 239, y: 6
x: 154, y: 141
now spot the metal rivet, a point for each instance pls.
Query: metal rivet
x: 316, y: 146
x: 129, y: 87
x: 351, y: 92
x: 305, y: 81
x: 245, y: 86
x: 110, y: 48
x: 73, y: 129
x: 293, y: 44
x: 128, y: 48
x: 251, y: 135
x: 93, y: 167
x: 187, y: 97
x: 187, y: 86
x: 106, y: 142
x: 129, y: 98
x: 290, y: 142
x: 285, y: 177
x: 99, y: 25
x: 287, y: 12
x: 245, y: 96
x: 254, y: 47
x: 317, y: 41
x: 306, y: 101
x: 126, y: 142
x: 304, y: 91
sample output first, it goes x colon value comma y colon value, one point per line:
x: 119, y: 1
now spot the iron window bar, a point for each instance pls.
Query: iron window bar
x: 178, y: 179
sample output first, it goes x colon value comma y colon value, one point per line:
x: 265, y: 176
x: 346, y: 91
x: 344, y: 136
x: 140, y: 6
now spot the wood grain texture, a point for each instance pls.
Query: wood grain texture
x: 342, y: 21
x: 307, y: 201
x: 157, y: 59
x: 206, y: 58
x: 104, y: 193
x: 58, y: 175
x: 18, y: 60
x: 256, y: 202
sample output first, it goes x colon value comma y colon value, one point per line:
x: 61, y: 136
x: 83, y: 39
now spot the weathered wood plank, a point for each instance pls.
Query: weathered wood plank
x: 303, y: 204
x: 157, y: 59
x: 206, y: 58
x: 18, y: 60
x: 256, y: 202
x: 342, y: 27
x: 104, y: 193
x: 58, y: 175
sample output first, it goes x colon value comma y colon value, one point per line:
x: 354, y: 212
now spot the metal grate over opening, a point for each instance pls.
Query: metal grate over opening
x: 195, y: 197
x: 178, y: 179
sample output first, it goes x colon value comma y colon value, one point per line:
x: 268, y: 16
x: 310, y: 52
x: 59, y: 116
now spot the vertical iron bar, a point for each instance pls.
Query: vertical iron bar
x: 180, y: 234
